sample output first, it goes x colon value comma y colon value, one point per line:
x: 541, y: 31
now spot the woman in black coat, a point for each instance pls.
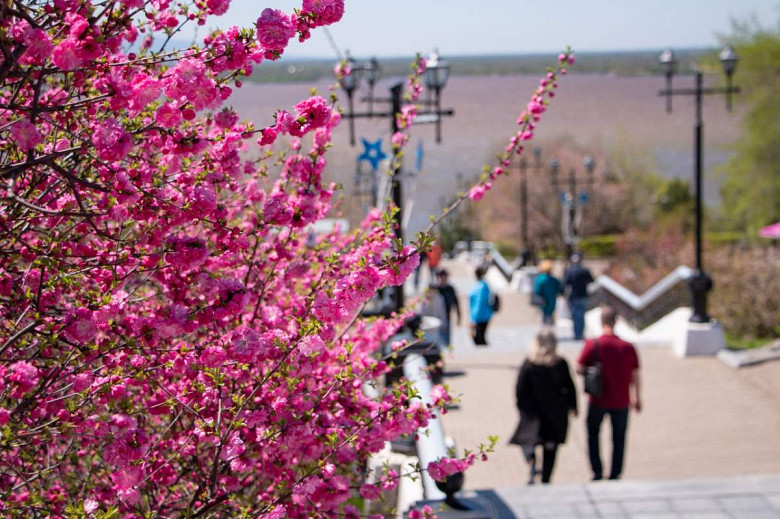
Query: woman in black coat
x: 545, y: 395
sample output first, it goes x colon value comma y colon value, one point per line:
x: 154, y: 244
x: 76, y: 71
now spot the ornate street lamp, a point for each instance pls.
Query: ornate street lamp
x: 572, y: 202
x: 372, y: 72
x: 437, y: 72
x: 527, y: 253
x: 728, y: 59
x: 700, y: 283
x: 349, y: 81
x: 435, y: 78
x: 669, y: 61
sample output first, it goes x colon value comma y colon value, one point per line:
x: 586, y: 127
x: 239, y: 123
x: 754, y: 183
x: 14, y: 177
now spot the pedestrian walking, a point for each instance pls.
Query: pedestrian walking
x: 545, y: 396
x: 576, y: 280
x: 548, y: 288
x: 450, y: 297
x: 620, y: 390
x: 480, y: 309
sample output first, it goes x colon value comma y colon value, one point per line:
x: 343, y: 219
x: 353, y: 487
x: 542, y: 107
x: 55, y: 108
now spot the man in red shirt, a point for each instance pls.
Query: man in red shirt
x: 620, y: 389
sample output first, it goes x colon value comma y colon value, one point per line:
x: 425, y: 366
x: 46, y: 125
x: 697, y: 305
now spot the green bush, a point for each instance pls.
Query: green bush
x: 599, y: 246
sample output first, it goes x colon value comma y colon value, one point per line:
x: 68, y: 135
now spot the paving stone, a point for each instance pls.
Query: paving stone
x: 774, y: 501
x: 738, y: 504
x: 646, y: 506
x: 551, y: 510
x: 584, y: 509
x: 663, y: 515
x: 755, y: 514
x: 694, y: 504
x: 610, y: 509
x: 704, y: 515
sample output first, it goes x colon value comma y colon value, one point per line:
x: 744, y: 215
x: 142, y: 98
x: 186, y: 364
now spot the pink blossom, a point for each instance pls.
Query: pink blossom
x: 39, y: 47
x: 213, y: 357
x: 83, y: 328
x: 477, y: 192
x: 218, y: 7
x: 226, y: 118
x: 268, y: 136
x: 66, y: 55
x: 246, y: 344
x: 314, y: 111
x: 168, y: 116
x: 274, y: 29
x: 535, y: 107
x: 24, y: 376
x: 403, y: 267
x: 439, y: 470
x: 399, y: 139
x: 324, y: 12
x: 82, y: 381
x: 90, y: 506
x: 188, y: 81
x: 111, y: 140
x: 311, y: 344
x: 327, y: 309
x: 370, y: 492
x: 187, y: 252
x: 26, y: 135
x: 145, y: 89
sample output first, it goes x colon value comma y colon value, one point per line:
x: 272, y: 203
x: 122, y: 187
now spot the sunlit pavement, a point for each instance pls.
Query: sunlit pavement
x: 701, y: 419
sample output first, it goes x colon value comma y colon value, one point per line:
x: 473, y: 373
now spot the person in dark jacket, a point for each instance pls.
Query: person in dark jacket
x: 447, y: 291
x: 576, y: 279
x: 545, y: 396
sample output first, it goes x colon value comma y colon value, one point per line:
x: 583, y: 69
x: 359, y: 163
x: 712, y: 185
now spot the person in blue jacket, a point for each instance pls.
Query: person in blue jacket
x: 547, y: 286
x: 479, y: 307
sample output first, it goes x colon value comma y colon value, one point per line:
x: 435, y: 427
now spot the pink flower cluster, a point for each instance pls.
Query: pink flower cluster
x: 439, y: 470
x: 177, y: 340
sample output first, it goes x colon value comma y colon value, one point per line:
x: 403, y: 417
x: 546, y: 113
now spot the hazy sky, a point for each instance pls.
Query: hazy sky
x: 457, y: 27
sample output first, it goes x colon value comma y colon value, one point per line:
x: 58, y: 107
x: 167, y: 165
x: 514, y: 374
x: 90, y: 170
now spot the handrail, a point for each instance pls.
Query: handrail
x: 642, y: 311
x: 431, y: 445
x: 502, y: 264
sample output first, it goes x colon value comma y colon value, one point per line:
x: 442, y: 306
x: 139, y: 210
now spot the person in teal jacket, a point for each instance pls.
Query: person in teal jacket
x: 547, y: 286
x: 479, y: 308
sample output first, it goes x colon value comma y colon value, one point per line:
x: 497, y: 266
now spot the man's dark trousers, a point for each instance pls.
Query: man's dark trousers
x: 619, y: 420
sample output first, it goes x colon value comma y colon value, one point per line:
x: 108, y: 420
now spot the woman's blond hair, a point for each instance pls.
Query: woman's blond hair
x: 546, y: 266
x: 543, y: 348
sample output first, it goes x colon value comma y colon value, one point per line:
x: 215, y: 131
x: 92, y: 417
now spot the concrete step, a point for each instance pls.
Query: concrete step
x: 755, y: 496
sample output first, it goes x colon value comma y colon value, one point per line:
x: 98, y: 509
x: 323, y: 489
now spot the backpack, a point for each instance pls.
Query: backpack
x: 495, y: 302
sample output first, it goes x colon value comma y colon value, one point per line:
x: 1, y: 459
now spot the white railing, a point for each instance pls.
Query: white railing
x: 641, y: 311
x: 431, y: 444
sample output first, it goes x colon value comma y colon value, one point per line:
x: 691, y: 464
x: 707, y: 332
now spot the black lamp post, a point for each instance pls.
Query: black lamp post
x: 570, y: 201
x: 436, y: 76
x: 527, y: 253
x: 437, y: 73
x: 700, y: 283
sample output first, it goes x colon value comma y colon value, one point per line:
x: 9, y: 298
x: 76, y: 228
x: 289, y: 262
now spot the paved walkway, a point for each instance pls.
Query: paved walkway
x: 753, y: 497
x: 701, y: 418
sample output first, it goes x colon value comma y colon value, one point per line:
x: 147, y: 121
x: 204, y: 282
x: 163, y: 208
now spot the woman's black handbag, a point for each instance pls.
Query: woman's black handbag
x: 593, y: 380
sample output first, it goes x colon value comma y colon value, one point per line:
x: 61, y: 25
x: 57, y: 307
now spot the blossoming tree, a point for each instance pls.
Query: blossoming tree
x: 171, y: 344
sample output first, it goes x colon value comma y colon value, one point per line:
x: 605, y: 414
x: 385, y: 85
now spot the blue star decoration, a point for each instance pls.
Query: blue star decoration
x: 372, y: 153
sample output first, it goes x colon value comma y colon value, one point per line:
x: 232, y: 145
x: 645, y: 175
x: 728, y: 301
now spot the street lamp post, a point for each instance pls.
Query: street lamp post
x: 527, y: 253
x: 436, y: 75
x: 571, y: 202
x: 700, y: 283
